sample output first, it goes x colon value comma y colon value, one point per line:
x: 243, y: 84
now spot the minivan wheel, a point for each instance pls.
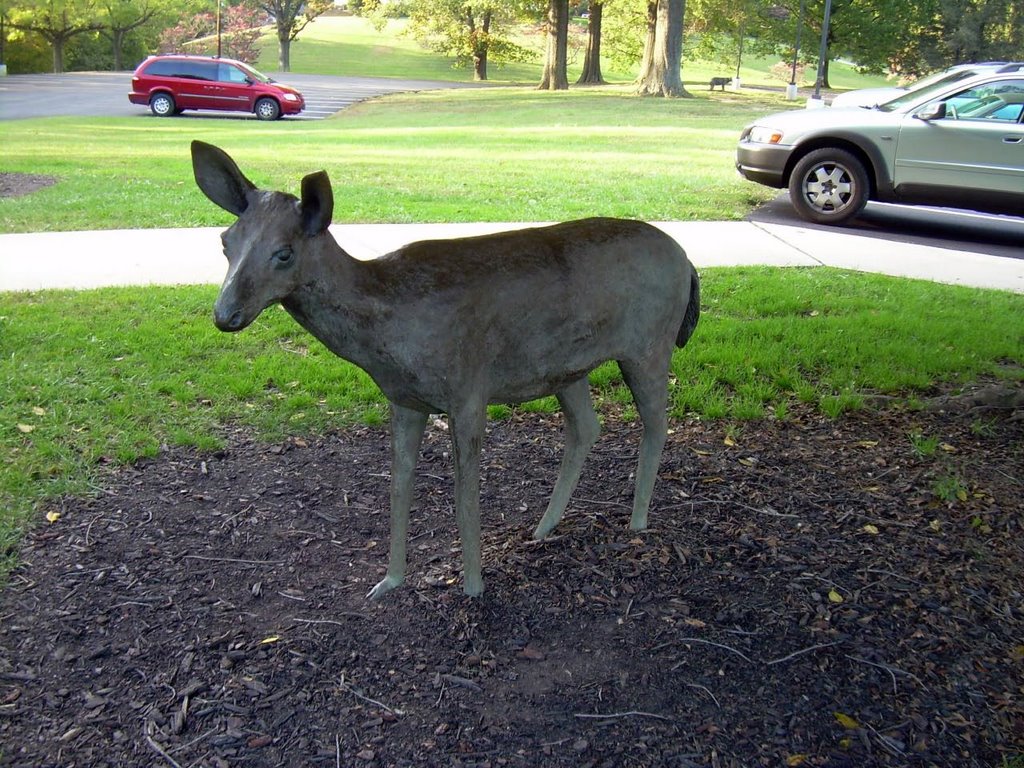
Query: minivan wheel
x: 162, y: 105
x: 267, y: 109
x: 829, y: 186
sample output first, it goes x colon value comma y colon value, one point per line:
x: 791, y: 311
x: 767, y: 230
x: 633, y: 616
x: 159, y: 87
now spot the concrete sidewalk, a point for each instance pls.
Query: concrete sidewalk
x: 193, y: 256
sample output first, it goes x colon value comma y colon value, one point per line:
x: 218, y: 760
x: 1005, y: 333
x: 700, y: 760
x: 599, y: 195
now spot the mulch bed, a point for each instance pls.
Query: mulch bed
x: 811, y: 592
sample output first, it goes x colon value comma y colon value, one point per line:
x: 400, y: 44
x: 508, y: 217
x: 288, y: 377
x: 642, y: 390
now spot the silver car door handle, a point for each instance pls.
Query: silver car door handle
x: 1012, y: 140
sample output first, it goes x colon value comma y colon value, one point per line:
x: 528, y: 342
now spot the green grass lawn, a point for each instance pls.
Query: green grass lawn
x: 98, y: 377
x: 494, y: 154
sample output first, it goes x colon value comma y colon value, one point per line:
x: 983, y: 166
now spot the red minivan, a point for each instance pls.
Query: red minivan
x: 170, y: 84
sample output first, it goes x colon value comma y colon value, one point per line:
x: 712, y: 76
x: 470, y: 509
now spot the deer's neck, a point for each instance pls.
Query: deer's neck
x: 338, y: 302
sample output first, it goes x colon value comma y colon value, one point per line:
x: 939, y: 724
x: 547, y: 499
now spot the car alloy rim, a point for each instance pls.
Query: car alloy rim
x: 829, y: 187
x: 266, y: 108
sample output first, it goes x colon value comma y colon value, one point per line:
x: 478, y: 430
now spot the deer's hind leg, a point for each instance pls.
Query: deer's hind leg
x: 581, y: 431
x: 648, y: 381
x: 407, y: 427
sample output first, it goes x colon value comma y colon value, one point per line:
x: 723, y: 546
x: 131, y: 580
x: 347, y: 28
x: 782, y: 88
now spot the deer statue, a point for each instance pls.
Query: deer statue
x: 450, y: 326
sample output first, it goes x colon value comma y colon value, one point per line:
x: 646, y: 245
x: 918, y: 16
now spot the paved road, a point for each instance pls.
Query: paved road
x: 936, y: 227
x: 106, y: 94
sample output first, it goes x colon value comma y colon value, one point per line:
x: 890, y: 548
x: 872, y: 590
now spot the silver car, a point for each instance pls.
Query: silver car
x: 958, y: 145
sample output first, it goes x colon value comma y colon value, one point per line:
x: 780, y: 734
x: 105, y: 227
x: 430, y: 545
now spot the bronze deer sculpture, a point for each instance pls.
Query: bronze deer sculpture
x: 450, y: 326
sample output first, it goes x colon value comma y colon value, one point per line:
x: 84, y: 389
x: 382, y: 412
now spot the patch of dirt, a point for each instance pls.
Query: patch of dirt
x: 803, y: 597
x: 18, y: 184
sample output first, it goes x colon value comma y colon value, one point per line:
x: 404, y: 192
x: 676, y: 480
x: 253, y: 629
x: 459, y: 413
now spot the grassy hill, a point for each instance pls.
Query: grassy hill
x: 349, y: 45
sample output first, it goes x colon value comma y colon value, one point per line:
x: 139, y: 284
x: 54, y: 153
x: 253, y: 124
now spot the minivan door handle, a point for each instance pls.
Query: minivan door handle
x: 1012, y: 139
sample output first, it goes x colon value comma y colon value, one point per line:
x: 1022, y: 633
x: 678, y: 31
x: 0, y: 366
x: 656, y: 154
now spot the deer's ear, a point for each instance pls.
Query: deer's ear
x: 219, y: 178
x: 317, y: 203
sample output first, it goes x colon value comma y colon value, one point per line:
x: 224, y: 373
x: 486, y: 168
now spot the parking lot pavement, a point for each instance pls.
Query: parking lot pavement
x: 98, y: 94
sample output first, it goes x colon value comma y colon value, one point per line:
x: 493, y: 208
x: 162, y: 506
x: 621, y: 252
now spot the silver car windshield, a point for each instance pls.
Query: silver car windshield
x: 916, y: 94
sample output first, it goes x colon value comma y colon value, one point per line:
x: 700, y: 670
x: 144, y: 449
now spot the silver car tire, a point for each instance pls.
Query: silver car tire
x: 829, y: 186
x: 267, y: 109
x: 162, y: 105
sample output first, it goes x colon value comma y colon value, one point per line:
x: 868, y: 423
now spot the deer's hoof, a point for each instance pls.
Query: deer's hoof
x: 473, y: 587
x: 384, y: 586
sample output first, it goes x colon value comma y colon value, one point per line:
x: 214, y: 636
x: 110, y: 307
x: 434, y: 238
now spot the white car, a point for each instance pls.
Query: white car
x: 870, y: 97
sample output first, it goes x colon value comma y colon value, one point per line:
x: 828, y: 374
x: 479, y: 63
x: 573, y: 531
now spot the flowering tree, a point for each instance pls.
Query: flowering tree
x: 240, y: 32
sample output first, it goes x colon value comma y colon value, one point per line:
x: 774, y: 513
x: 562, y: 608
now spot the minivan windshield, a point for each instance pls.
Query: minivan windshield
x: 254, y: 74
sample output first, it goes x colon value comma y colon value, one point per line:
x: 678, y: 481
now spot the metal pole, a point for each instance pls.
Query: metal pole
x: 796, y: 50
x: 823, y: 50
x: 218, y: 28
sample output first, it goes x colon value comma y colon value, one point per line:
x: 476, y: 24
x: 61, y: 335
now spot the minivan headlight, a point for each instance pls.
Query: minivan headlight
x: 290, y: 97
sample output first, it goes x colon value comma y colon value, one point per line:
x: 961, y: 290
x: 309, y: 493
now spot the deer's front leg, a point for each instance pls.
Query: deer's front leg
x: 467, y: 428
x: 407, y: 427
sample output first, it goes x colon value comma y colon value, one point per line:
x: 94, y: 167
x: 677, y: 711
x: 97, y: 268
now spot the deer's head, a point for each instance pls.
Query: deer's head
x: 270, y: 246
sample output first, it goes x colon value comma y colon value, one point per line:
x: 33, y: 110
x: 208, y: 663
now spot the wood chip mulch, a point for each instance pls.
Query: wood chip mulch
x: 810, y: 593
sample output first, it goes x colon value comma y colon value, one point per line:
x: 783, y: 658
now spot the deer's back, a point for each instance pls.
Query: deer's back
x: 523, y: 313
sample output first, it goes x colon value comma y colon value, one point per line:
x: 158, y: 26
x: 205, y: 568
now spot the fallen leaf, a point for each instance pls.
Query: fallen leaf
x: 935, y: 525
x: 834, y: 597
x: 872, y: 529
x: 729, y: 441
x: 866, y: 443
x: 947, y: 447
x: 794, y: 760
x: 52, y: 517
x: 39, y: 411
x: 268, y: 640
x: 25, y: 428
x: 846, y: 721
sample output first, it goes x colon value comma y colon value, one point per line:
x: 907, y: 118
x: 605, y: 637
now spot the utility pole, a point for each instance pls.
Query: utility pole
x: 822, y: 51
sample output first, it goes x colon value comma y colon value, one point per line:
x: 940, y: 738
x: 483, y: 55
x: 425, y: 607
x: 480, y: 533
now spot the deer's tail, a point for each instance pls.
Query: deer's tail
x: 692, y: 311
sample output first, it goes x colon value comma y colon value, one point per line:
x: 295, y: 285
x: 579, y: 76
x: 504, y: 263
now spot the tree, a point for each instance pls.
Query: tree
x: 661, y: 73
x: 290, y: 18
x: 591, y: 74
x: 119, y: 17
x: 471, y: 33
x: 240, y: 33
x: 57, y: 22
x: 555, y: 77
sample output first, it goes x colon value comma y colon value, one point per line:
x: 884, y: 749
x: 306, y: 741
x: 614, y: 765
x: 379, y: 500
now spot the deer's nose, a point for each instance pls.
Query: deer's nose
x: 228, y: 319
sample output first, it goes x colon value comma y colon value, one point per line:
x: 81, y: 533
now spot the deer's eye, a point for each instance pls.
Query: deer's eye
x: 283, y: 258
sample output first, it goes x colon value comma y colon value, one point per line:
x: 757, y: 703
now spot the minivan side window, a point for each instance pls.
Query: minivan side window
x: 193, y: 70
x: 229, y: 74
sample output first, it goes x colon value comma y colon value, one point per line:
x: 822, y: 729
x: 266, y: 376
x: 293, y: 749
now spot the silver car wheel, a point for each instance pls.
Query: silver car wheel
x: 829, y: 186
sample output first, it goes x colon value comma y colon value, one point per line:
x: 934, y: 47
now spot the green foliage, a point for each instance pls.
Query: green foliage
x: 923, y: 445
x: 471, y: 35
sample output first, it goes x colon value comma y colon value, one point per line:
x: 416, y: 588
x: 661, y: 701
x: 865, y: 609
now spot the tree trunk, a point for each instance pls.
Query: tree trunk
x: 591, y: 74
x: 58, y: 54
x: 663, y: 74
x: 117, y: 38
x: 652, y: 24
x: 480, y: 46
x: 556, y: 57
x: 284, y: 50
